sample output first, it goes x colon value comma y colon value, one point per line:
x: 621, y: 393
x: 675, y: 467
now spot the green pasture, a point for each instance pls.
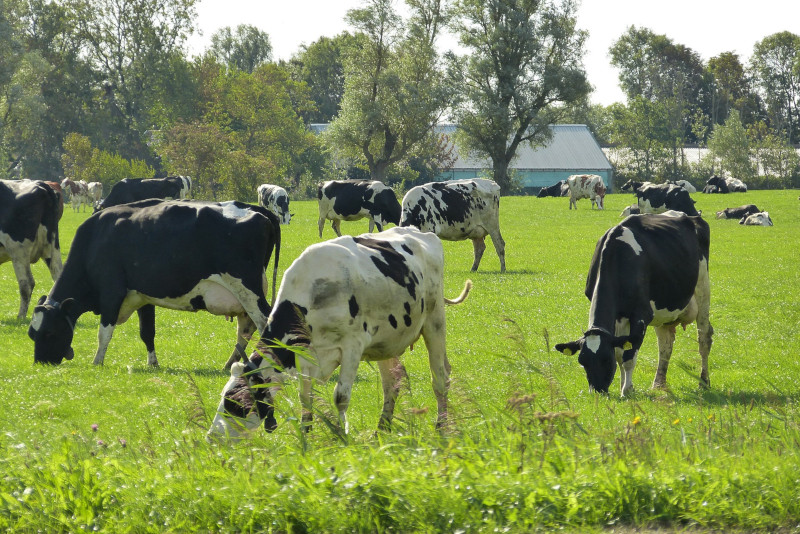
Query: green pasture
x: 121, y: 448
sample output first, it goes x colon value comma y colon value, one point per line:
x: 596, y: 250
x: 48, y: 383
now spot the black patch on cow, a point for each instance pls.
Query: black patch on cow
x: 365, y: 326
x: 353, y: 307
x: 668, y: 197
x: 392, y: 321
x: 287, y: 326
x: 407, y: 320
x: 407, y: 307
x: 408, y: 250
x: 390, y: 263
x: 422, y: 304
x: 198, y: 303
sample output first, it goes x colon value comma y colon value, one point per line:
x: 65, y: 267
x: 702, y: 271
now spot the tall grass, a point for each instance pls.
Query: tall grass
x: 528, y: 447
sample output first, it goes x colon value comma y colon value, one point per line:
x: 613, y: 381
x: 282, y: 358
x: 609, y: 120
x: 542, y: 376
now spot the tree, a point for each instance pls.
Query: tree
x: 245, y: 48
x: 730, y: 145
x: 639, y: 128
x: 776, y: 63
x: 524, y: 62
x: 733, y: 90
x: 394, y: 90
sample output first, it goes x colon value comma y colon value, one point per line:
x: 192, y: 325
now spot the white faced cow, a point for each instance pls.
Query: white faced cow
x: 649, y: 270
x: 757, y: 219
x: 589, y: 186
x: 276, y: 200
x: 29, y: 215
x: 351, y: 200
x: 78, y: 193
x: 458, y: 210
x: 176, y: 254
x: 351, y: 299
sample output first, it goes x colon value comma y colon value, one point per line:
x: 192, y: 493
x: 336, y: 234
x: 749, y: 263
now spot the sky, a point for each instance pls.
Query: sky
x: 709, y: 27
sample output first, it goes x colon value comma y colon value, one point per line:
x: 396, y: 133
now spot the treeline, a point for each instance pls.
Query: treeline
x: 101, y: 90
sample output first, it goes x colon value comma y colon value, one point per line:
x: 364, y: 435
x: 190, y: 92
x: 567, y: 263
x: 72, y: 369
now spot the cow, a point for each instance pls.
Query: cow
x: 633, y: 209
x: 276, y: 200
x: 686, y: 185
x: 559, y: 189
x: 589, y: 186
x: 633, y: 186
x: 78, y: 193
x: 718, y: 184
x: 656, y: 198
x: 182, y: 255
x: 738, y: 213
x: 130, y: 190
x: 757, y: 219
x: 458, y: 210
x: 29, y: 215
x: 351, y: 299
x: 351, y: 200
x: 649, y: 270
x: 95, y: 190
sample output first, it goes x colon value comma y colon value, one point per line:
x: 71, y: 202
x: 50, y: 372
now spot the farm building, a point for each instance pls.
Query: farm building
x: 572, y: 150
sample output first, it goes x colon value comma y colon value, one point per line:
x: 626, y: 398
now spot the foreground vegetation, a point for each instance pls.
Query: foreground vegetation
x: 122, y: 448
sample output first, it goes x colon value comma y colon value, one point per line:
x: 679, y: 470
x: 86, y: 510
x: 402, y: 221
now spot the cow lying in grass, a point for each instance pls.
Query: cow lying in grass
x: 346, y: 300
x: 649, y: 270
x: 757, y: 219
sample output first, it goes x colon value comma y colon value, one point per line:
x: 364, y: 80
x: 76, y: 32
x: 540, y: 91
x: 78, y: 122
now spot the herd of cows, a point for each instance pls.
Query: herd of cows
x: 349, y: 299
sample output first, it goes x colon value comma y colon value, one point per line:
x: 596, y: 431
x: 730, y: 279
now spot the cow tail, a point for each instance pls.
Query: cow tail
x: 277, y: 260
x: 463, y: 296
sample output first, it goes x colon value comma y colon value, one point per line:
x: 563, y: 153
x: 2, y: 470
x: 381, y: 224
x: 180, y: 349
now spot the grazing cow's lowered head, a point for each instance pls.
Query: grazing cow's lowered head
x: 52, y: 328
x: 757, y: 219
x: 275, y: 199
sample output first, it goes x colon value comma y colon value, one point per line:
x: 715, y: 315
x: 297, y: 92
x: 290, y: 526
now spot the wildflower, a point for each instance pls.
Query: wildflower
x: 636, y: 420
x: 123, y: 442
x: 712, y: 417
x: 101, y: 443
x: 676, y: 421
x: 94, y: 427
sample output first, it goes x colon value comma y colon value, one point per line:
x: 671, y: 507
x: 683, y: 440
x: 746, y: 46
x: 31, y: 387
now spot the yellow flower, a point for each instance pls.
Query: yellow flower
x: 636, y: 420
x: 676, y: 421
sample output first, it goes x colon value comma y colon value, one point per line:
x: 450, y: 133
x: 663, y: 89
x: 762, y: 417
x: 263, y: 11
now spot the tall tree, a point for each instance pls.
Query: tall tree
x: 776, y: 63
x: 733, y: 90
x: 244, y: 48
x: 394, y: 87
x: 524, y: 62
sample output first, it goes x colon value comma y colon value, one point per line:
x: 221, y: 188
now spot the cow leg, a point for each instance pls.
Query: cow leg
x: 666, y: 340
x: 350, y: 355
x: 434, y: 333
x: 705, y: 331
x: 500, y: 248
x: 54, y: 262
x: 321, y: 225
x: 478, y: 245
x: 626, y: 367
x: 392, y: 373
x: 26, y: 283
x: 245, y: 327
x: 147, y: 332
x: 103, y: 339
x: 335, y: 224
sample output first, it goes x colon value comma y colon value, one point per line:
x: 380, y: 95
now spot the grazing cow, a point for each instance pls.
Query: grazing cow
x: 95, y: 190
x: 458, y: 210
x: 718, y: 184
x: 589, y: 186
x: 78, y: 193
x: 351, y: 200
x: 175, y: 254
x: 348, y: 300
x: 737, y: 213
x: 657, y: 198
x: 276, y: 200
x: 29, y: 215
x: 757, y: 219
x: 130, y: 190
x: 649, y: 270
x: 559, y: 189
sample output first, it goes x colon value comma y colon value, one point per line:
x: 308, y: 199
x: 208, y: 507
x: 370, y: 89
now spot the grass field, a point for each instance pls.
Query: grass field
x: 121, y: 448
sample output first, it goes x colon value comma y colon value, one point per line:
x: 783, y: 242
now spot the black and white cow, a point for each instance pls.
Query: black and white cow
x: 738, y: 213
x: 559, y: 189
x: 686, y: 184
x: 458, y: 210
x: 649, y: 270
x: 130, y: 190
x: 351, y: 200
x: 757, y: 219
x: 29, y: 215
x: 633, y: 186
x: 633, y: 209
x: 589, y: 186
x: 275, y: 199
x: 657, y: 198
x: 78, y: 193
x: 718, y: 184
x: 95, y: 192
x: 176, y: 254
x: 351, y: 299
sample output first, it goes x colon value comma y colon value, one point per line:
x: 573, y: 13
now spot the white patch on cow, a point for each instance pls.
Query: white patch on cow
x: 36, y: 321
x: 628, y: 238
x: 231, y: 211
x: 592, y: 343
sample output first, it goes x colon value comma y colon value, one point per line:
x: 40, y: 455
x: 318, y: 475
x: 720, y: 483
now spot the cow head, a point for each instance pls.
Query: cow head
x: 246, y: 400
x: 386, y: 208
x: 596, y: 354
x: 52, y: 327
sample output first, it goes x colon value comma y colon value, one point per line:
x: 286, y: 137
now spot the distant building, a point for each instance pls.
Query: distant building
x: 572, y: 150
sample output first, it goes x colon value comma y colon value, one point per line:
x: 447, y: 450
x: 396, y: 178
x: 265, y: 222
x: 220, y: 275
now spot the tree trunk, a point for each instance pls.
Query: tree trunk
x: 500, y: 175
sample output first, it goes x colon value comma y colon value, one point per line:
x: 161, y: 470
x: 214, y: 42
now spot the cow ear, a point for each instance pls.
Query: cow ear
x: 68, y: 305
x: 41, y: 300
x: 570, y: 348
